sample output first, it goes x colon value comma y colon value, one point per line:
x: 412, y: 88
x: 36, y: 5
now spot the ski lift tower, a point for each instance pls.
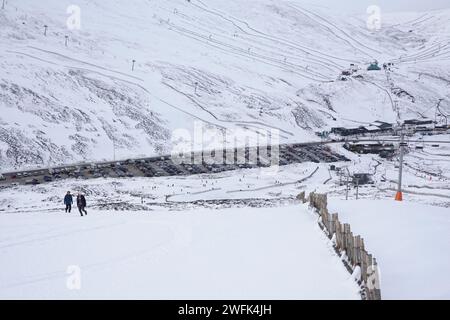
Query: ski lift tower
x: 399, y: 195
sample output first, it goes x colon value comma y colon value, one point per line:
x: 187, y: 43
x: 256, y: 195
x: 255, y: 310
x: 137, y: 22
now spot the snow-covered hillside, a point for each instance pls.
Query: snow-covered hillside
x: 412, y: 241
x: 210, y: 254
x: 228, y: 64
x: 228, y: 211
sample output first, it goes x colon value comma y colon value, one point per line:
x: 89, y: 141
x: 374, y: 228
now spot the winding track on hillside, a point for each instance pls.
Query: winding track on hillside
x: 257, y: 124
x: 260, y: 34
x: 250, y: 123
x: 270, y: 45
x: 324, y: 23
x: 279, y: 63
x: 258, y: 45
x: 118, y: 79
x: 277, y: 185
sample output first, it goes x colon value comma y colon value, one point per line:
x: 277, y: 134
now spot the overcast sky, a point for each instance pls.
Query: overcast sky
x: 360, y: 6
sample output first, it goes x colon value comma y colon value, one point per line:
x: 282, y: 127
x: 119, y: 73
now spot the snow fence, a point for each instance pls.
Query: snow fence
x: 361, y: 264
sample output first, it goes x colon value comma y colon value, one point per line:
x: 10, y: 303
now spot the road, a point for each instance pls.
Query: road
x: 167, y: 166
x: 317, y: 152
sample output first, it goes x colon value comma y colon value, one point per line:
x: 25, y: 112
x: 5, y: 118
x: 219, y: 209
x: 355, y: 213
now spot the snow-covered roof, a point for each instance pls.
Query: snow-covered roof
x: 372, y: 128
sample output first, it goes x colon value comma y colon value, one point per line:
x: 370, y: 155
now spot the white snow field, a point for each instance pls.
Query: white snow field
x: 414, y: 232
x: 410, y: 241
x: 259, y: 253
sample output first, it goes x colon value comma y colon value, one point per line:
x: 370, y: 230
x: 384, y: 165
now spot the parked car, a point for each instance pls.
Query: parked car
x: 48, y: 179
x: 32, y: 182
x: 2, y: 178
x: 120, y: 174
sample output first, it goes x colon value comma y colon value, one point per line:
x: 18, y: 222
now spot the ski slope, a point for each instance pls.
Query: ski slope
x: 410, y: 242
x: 224, y: 210
x: 271, y: 253
x: 218, y: 63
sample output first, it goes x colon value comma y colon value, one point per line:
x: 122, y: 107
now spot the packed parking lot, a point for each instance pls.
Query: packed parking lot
x: 195, y: 163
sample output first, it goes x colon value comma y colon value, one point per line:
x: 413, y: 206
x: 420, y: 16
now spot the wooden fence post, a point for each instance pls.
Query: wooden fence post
x: 353, y: 246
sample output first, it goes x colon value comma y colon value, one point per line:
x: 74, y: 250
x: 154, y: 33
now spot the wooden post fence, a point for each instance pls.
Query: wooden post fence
x: 349, y: 247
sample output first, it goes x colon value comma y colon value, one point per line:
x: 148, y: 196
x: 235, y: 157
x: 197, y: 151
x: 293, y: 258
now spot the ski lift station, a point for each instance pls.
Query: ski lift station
x: 374, y: 66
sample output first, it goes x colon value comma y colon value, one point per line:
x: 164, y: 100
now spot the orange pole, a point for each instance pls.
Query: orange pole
x: 399, y: 195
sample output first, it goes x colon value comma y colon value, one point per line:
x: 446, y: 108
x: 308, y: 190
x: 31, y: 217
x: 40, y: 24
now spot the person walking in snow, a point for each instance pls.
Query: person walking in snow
x: 68, y: 201
x: 81, y: 204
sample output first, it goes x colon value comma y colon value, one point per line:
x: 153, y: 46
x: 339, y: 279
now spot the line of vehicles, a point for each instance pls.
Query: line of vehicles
x: 166, y: 166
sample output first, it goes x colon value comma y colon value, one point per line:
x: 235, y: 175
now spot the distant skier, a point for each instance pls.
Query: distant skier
x: 68, y: 201
x: 81, y: 204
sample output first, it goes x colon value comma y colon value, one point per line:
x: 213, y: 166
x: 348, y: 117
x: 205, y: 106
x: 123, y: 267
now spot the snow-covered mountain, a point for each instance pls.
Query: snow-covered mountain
x: 228, y: 64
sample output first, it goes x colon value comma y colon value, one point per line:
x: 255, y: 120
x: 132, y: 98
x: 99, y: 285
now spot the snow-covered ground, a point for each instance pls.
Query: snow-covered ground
x: 270, y: 253
x: 414, y: 232
x: 410, y: 241
x: 425, y: 180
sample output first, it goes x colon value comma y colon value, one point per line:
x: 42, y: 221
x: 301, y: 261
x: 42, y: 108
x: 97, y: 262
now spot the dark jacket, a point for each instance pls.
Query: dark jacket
x: 81, y: 201
x: 68, y: 199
